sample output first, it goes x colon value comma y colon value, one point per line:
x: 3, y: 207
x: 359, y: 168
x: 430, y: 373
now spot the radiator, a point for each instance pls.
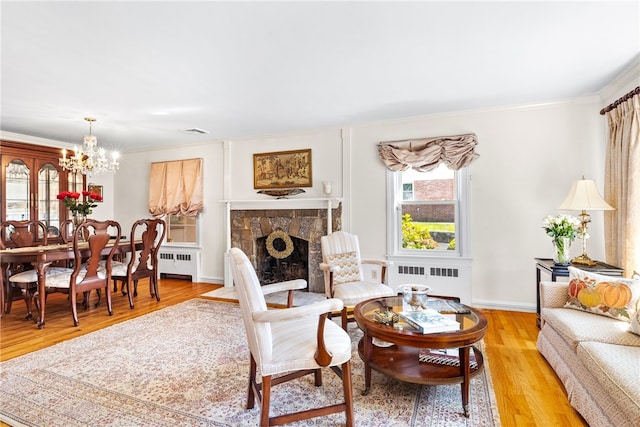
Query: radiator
x: 182, y: 261
x: 444, y: 276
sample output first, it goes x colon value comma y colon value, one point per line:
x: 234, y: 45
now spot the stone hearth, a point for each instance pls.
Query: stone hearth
x: 248, y: 226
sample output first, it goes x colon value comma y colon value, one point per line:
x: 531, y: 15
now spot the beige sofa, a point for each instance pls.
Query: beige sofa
x: 596, y: 357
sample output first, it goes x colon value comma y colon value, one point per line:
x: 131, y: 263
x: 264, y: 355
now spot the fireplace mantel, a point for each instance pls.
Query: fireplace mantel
x: 300, y: 203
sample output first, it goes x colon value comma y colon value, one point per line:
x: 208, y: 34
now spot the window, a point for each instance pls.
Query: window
x: 427, y: 212
x: 182, y: 229
x: 175, y: 192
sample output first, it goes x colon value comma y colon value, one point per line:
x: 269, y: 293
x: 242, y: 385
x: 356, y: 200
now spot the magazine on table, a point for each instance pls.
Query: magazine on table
x: 449, y: 357
x: 429, y: 321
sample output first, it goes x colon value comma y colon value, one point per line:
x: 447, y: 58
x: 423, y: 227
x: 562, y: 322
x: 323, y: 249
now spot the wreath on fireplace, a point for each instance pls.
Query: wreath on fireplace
x: 283, y: 241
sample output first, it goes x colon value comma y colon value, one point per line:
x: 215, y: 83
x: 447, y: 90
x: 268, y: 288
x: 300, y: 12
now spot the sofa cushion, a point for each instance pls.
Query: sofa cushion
x: 578, y: 326
x: 605, y: 295
x: 617, y: 371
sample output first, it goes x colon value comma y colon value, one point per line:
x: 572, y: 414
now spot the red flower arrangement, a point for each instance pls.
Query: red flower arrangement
x: 76, y: 206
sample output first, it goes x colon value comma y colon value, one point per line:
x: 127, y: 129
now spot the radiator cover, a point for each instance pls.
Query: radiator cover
x: 445, y: 276
x: 180, y: 260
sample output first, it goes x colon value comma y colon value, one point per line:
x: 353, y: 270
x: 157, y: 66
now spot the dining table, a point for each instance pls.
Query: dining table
x: 41, y: 257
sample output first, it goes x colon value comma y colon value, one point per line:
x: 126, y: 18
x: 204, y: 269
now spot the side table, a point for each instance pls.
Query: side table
x: 546, y: 265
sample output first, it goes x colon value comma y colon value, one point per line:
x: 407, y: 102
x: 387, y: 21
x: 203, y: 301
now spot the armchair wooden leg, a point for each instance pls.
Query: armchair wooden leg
x: 348, y: 392
x: 266, y: 401
x: 344, y: 318
x: 251, y: 397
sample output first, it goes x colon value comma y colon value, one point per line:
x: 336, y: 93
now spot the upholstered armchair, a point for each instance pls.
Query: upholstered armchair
x: 289, y: 343
x: 343, y: 272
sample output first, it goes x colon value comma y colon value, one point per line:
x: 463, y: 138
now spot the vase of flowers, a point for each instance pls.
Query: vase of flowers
x: 78, y: 207
x: 563, y: 230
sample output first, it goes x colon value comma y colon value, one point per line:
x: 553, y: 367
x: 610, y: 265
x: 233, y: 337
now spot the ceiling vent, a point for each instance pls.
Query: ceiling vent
x: 195, y: 131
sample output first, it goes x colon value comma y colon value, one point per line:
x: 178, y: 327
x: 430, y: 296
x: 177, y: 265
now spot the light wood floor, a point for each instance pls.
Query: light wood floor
x: 527, y: 390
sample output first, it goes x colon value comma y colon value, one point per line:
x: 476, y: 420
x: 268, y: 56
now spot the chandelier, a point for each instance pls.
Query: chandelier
x: 89, y: 159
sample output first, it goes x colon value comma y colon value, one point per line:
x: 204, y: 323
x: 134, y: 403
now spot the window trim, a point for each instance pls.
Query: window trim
x: 463, y: 218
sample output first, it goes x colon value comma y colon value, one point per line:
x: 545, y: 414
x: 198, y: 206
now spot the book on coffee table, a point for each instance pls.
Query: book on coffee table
x: 449, y: 357
x: 429, y: 321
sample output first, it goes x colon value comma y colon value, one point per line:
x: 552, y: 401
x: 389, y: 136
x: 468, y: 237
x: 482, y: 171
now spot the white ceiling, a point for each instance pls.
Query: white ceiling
x: 146, y: 70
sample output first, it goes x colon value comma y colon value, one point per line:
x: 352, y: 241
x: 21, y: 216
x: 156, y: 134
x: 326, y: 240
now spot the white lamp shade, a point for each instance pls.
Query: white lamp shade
x: 584, y: 196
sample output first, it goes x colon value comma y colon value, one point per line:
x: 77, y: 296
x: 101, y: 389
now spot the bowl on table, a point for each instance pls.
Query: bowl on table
x: 415, y: 295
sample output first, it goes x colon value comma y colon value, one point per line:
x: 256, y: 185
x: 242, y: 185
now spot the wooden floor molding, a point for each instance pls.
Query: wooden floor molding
x: 527, y: 390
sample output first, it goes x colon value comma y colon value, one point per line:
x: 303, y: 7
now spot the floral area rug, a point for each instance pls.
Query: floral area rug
x: 187, y: 365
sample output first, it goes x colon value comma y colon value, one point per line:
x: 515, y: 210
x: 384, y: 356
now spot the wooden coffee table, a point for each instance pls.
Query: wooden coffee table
x: 400, y: 359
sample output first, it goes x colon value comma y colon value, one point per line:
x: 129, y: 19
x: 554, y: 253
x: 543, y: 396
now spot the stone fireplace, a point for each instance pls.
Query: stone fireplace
x: 284, y: 244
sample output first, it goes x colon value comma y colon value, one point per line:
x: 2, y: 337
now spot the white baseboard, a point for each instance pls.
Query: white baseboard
x: 503, y: 305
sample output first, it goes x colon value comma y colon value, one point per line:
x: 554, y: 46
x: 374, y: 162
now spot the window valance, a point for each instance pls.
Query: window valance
x: 425, y: 154
x: 175, y: 188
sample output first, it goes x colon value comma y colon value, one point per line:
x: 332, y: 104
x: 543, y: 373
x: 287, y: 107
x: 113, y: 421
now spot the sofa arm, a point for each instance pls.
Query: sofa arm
x: 553, y: 294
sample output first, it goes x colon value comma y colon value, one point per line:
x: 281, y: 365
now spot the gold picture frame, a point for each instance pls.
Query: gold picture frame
x: 282, y: 169
x: 95, y: 189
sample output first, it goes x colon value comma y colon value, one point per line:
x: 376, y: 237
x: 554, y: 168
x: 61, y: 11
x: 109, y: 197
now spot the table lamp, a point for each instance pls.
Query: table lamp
x: 584, y: 197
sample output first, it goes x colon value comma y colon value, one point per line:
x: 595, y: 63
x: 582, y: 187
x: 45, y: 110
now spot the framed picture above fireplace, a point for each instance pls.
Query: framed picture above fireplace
x: 282, y: 169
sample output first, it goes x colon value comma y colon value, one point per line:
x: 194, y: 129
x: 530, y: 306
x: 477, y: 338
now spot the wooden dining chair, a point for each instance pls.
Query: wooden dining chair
x: 90, y: 274
x: 143, y: 262
x: 20, y: 280
x: 286, y: 344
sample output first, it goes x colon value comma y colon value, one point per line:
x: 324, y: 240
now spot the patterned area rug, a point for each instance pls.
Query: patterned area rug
x: 187, y: 365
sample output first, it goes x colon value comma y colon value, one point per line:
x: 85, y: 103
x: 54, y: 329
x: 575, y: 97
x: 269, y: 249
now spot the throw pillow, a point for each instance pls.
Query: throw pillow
x: 635, y: 324
x: 349, y: 267
x: 615, y: 297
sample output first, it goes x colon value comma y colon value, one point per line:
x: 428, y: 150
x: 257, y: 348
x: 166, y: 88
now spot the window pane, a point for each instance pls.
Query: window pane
x: 438, y: 184
x: 431, y: 223
x: 428, y: 226
x: 182, y: 229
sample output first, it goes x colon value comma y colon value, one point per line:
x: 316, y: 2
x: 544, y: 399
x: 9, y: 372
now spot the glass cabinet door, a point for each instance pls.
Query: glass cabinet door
x: 48, y: 205
x: 18, y: 191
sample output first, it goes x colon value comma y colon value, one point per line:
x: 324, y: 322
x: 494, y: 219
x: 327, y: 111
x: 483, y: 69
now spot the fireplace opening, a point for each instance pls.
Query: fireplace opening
x: 281, y: 257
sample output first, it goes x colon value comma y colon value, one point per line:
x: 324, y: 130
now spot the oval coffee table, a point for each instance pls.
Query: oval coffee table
x: 400, y: 358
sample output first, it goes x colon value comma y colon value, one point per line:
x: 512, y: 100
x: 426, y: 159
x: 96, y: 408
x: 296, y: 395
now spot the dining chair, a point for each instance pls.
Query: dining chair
x: 286, y: 344
x: 343, y: 273
x: 143, y: 262
x: 90, y: 240
x: 21, y: 280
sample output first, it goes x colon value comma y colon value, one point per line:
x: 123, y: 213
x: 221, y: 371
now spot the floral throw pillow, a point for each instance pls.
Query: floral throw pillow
x: 605, y: 295
x: 349, y: 267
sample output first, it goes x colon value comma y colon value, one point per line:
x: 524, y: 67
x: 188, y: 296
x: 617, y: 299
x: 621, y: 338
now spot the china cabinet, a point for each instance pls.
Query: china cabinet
x: 31, y: 181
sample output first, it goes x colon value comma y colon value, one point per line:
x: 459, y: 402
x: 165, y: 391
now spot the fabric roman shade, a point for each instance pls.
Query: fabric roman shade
x: 425, y: 154
x: 175, y: 188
